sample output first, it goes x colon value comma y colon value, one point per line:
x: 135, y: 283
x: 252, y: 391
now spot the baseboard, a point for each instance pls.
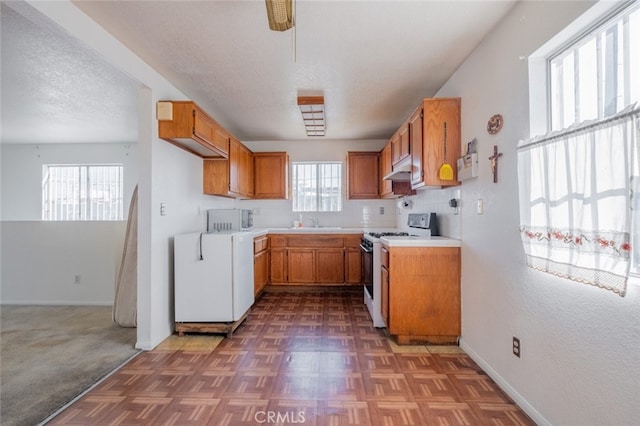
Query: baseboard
x: 505, y: 386
x: 56, y: 303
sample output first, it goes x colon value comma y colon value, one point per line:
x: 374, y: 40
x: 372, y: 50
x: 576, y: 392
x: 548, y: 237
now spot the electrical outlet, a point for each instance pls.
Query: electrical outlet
x: 516, y: 347
x: 381, y: 210
x: 77, y: 279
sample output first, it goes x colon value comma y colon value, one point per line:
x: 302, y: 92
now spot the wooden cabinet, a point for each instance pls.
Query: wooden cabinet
x: 302, y: 265
x: 435, y: 122
x: 260, y: 264
x: 386, y: 186
x: 327, y: 259
x: 384, y: 285
x: 352, y: 260
x: 423, y: 293
x: 401, y: 145
x: 389, y: 188
x: 278, y: 259
x: 271, y: 171
x: 190, y: 128
x: 330, y: 265
x: 232, y: 177
x: 363, y: 175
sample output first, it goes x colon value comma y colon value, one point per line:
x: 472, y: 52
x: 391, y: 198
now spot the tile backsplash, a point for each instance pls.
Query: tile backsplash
x: 354, y: 214
x: 363, y: 213
x: 436, y: 201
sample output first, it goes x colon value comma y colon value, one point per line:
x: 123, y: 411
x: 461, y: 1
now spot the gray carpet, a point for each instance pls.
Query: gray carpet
x: 51, y: 354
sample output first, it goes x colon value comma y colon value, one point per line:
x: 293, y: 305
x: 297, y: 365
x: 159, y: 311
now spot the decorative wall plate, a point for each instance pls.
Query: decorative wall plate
x: 495, y: 124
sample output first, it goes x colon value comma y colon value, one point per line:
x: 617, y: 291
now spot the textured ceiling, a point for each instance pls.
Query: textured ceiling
x: 372, y: 60
x: 55, y: 89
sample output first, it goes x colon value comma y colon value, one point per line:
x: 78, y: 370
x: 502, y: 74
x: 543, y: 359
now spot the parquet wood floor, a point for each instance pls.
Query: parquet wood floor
x: 306, y: 358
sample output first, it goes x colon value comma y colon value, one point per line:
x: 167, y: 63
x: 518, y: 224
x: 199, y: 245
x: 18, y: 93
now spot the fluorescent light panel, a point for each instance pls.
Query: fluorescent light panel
x: 312, y: 110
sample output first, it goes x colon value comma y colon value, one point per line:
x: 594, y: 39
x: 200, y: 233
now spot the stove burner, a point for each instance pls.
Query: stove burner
x: 388, y: 234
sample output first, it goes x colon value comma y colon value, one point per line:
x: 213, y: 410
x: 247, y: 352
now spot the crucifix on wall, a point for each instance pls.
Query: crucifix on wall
x: 494, y: 163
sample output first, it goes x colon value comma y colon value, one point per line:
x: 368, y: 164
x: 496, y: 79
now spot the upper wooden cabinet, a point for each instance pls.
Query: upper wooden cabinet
x: 434, y: 124
x: 400, y: 144
x: 386, y: 186
x: 232, y: 177
x: 363, y: 175
x: 186, y: 125
x: 271, y: 170
x: 391, y: 188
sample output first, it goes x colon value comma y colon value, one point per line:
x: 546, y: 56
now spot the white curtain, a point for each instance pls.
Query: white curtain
x: 576, y: 195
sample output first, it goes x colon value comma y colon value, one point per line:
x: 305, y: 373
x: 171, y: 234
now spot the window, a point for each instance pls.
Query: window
x: 597, y: 76
x: 576, y: 182
x: 317, y: 187
x: 82, y: 192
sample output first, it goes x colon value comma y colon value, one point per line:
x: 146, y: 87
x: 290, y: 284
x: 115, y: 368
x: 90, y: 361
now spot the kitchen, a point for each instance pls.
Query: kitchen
x: 500, y: 297
x: 321, y: 254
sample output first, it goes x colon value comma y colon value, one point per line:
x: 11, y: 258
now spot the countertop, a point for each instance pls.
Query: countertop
x: 312, y: 230
x: 420, y: 242
x: 415, y: 241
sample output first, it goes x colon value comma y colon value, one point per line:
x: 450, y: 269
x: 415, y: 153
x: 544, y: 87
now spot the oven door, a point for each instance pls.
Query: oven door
x: 367, y: 269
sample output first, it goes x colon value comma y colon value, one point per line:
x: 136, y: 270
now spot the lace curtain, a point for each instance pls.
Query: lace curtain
x: 575, y: 190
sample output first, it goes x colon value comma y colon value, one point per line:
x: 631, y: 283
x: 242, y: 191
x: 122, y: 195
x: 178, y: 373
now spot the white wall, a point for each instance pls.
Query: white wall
x: 580, y: 344
x: 355, y: 213
x: 22, y: 172
x: 40, y: 259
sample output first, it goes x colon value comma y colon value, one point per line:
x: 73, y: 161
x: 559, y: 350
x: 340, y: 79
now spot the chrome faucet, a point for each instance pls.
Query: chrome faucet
x: 315, y: 221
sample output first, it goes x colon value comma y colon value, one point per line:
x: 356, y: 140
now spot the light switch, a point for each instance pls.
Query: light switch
x: 480, y: 206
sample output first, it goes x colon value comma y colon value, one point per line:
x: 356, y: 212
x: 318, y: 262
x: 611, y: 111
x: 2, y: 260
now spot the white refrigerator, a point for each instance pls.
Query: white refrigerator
x: 213, y: 276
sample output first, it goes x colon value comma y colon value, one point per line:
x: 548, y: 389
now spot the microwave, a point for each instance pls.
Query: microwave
x: 222, y: 220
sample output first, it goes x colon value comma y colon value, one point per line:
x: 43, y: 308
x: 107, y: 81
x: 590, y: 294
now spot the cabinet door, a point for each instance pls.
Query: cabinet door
x: 384, y: 299
x: 363, y: 175
x: 260, y: 272
x: 234, y: 166
x: 415, y: 134
x: 330, y: 266
x: 353, y: 266
x: 220, y: 139
x: 386, y: 186
x: 246, y: 171
x: 302, y: 265
x: 215, y: 177
x: 202, y: 126
x: 395, y: 147
x: 278, y: 266
x: 403, y: 144
x: 271, y: 175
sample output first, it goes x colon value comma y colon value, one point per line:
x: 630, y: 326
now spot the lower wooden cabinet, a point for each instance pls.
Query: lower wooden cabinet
x: 353, y: 259
x: 260, y: 264
x: 302, y: 266
x: 421, y: 286
x: 329, y: 266
x: 326, y: 259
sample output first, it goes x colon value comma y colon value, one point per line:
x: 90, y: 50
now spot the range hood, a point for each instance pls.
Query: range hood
x: 402, y: 173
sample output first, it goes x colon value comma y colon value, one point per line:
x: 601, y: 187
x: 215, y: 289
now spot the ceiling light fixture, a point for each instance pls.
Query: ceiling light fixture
x: 280, y: 14
x: 312, y: 109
